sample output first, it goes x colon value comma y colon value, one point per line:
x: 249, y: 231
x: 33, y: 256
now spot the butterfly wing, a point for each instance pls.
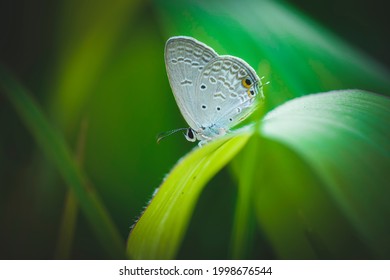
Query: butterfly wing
x: 224, y: 97
x: 185, y: 59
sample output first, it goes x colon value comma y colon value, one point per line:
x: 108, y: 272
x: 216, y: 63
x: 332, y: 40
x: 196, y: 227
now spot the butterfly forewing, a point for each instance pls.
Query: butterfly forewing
x: 185, y: 58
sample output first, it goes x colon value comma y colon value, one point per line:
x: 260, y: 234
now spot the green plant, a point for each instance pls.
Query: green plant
x: 311, y: 174
x: 305, y: 177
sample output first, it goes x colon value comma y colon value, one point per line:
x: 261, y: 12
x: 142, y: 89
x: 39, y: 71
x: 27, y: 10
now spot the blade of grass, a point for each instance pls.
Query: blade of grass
x: 243, y: 227
x: 55, y: 148
x: 69, y: 218
x: 160, y: 230
x: 67, y: 227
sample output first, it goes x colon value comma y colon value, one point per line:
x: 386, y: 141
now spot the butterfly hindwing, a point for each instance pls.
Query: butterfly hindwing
x: 222, y: 97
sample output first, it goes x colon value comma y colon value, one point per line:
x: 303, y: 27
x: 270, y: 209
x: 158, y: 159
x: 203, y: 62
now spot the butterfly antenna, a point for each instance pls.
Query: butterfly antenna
x: 162, y: 135
x: 266, y: 83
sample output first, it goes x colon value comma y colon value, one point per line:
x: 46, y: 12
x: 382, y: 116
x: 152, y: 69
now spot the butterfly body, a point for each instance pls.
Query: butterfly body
x: 213, y: 92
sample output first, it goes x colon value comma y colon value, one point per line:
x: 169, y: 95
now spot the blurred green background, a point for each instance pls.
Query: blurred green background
x: 97, y: 70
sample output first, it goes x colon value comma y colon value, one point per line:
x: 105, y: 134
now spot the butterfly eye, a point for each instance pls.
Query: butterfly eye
x: 246, y: 82
x: 190, y: 136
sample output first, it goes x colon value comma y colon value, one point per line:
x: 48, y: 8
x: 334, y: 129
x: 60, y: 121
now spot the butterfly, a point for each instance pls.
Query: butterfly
x: 213, y: 92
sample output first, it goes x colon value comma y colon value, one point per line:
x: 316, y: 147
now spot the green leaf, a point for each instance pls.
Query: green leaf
x: 332, y: 181
x: 315, y: 176
x: 55, y: 148
x: 159, y: 231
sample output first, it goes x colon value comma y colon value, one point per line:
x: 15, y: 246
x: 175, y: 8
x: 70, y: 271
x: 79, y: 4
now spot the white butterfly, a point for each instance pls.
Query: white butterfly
x: 214, y: 92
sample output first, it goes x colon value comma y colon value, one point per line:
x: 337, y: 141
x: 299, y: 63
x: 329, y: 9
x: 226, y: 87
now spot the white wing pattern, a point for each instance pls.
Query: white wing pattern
x: 213, y: 92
